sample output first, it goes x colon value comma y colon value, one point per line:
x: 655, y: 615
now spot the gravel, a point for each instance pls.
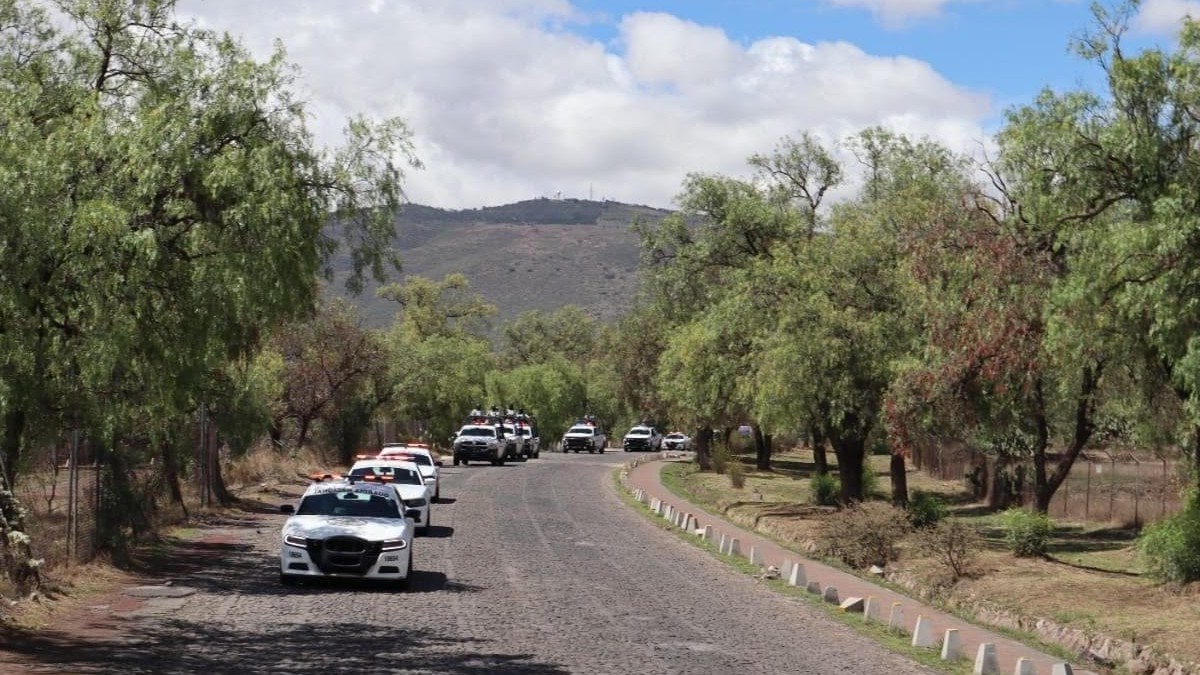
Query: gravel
x: 529, y: 568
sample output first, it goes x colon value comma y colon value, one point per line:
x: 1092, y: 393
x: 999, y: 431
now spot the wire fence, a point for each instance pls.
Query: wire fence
x: 61, y: 492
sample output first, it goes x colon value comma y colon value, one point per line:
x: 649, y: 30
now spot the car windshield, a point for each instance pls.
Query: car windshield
x: 526, y: 432
x: 348, y: 503
x: 422, y: 459
x: 587, y: 431
x: 639, y: 432
x: 399, y: 474
x: 478, y: 431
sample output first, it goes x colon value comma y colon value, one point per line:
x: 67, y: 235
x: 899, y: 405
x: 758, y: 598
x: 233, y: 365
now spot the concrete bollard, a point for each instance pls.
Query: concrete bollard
x: 1061, y: 669
x: 985, y: 660
x: 813, y: 587
x: 1024, y: 667
x: 755, y: 556
x: 922, y: 635
x: 830, y: 595
x: 689, y: 522
x: 655, y: 504
x: 896, y: 618
x: 708, y: 533
x: 668, y: 512
x: 796, y: 576
x: 951, y: 645
x: 724, y: 543
x: 871, y: 609
x: 735, y: 547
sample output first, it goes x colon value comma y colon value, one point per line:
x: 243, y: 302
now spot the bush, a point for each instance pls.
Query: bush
x: 953, y: 542
x: 925, y: 509
x: 1026, y: 533
x: 870, y: 480
x: 824, y: 490
x: 864, y: 534
x: 718, y: 458
x: 1170, y: 548
x: 737, y: 475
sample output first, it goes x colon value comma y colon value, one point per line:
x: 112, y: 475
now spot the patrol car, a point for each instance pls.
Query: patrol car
x: 344, y: 527
x: 405, y: 478
x: 422, y: 456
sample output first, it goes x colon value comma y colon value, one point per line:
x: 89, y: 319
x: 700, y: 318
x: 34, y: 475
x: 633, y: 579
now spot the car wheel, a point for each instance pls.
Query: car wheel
x: 456, y: 461
x: 287, y: 579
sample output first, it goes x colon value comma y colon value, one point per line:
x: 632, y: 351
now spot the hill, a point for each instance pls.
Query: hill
x: 535, y: 254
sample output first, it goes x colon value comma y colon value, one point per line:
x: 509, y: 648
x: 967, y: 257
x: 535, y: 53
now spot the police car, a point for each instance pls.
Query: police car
x: 422, y: 456
x: 405, y: 478
x: 346, y: 528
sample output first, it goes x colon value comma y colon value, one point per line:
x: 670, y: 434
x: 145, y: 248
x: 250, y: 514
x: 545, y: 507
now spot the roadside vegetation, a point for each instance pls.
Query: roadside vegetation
x: 168, y: 236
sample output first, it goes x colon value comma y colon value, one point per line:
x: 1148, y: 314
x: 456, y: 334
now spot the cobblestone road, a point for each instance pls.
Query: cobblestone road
x: 533, y: 568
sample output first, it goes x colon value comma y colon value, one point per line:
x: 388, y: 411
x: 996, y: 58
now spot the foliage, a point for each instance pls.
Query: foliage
x: 1170, y: 548
x: 553, y: 391
x: 867, y: 533
x: 1026, y: 533
x: 824, y: 489
x: 954, y: 543
x: 925, y: 509
x: 737, y: 475
x: 720, y: 458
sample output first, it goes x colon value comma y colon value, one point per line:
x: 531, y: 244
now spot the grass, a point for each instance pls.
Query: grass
x: 1091, y: 568
x: 895, y: 642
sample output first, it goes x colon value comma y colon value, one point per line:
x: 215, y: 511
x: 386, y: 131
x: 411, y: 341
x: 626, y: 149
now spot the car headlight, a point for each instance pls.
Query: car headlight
x: 293, y: 540
x: 394, y: 545
x: 415, y: 502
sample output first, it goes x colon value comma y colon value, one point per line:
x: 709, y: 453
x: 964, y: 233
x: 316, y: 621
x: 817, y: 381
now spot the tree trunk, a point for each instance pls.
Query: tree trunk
x: 302, y: 435
x: 762, y: 449
x: 851, y: 456
x: 170, y: 464
x: 1196, y: 456
x: 216, y: 480
x: 820, y: 458
x: 703, y: 443
x: 10, y: 447
x: 899, y: 481
x: 1045, y: 486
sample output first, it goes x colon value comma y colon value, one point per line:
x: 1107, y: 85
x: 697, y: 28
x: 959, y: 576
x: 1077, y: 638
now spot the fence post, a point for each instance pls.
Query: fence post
x: 73, y: 498
x: 1163, y: 511
x: 202, y: 463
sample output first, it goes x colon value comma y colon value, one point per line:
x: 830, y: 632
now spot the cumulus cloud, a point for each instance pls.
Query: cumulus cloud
x: 509, y: 99
x: 1164, y: 16
x: 896, y: 13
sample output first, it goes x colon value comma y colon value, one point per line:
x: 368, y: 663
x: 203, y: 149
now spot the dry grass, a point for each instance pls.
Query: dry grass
x: 1092, y: 581
x: 265, y: 464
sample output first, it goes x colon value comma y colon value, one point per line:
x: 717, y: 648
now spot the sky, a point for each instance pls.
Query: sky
x: 622, y: 99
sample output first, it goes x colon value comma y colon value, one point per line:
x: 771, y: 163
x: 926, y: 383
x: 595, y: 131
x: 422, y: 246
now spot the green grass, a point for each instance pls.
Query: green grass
x: 896, y: 642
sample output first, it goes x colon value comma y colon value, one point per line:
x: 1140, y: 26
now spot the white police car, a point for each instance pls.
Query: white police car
x: 424, y: 458
x: 405, y: 478
x: 346, y: 528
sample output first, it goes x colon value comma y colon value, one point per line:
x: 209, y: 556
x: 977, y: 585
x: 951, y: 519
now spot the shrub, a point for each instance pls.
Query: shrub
x: 718, y: 458
x: 864, y: 534
x: 824, y: 490
x: 953, y: 542
x: 870, y: 480
x: 1170, y: 548
x: 925, y: 509
x: 1026, y: 533
x: 737, y: 475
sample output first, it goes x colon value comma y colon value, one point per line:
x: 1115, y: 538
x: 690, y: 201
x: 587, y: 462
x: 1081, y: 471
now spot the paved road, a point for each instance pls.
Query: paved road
x: 534, y: 568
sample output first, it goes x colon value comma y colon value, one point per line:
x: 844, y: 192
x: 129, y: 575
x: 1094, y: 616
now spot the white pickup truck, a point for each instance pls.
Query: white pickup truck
x: 583, y: 436
x: 642, y: 438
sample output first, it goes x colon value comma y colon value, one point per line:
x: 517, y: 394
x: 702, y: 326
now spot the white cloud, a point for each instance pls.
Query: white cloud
x: 1164, y: 16
x: 896, y: 13
x: 508, y: 103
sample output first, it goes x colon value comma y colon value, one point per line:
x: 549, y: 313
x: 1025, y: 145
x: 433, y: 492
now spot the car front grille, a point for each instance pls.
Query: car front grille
x: 344, y: 555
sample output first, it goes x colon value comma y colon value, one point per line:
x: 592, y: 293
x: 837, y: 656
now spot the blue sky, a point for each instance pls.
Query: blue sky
x: 622, y: 99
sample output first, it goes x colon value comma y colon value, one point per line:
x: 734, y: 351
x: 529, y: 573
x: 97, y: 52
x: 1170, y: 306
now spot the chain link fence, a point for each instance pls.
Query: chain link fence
x: 61, y: 492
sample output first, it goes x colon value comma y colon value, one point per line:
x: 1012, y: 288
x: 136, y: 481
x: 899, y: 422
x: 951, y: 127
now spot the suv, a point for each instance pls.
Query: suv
x: 643, y: 438
x: 481, y: 442
x: 586, y: 435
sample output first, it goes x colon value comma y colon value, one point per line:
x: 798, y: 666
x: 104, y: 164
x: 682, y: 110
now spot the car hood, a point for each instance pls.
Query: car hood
x: 323, y: 527
x: 412, y: 491
x: 427, y: 471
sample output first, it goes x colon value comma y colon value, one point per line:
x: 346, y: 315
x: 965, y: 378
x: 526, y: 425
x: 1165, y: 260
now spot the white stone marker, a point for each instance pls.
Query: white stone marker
x: 852, y: 605
x: 922, y: 635
x: 796, y: 576
x: 951, y: 645
x: 985, y: 660
x: 689, y: 522
x: 1061, y: 669
x: 755, y: 556
x: 871, y: 609
x: 708, y: 533
x: 655, y: 502
x: 735, y: 547
x: 723, y: 543
x: 896, y: 618
x: 1024, y: 667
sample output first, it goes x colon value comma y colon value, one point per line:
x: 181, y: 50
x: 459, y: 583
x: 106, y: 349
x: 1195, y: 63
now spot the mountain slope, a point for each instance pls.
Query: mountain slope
x: 536, y: 254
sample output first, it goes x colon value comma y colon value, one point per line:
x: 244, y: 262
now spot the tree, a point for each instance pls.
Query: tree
x: 536, y: 337
x: 166, y: 206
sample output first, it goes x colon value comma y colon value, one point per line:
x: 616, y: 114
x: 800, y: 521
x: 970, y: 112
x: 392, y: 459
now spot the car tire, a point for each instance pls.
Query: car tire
x: 288, y: 579
x: 456, y: 461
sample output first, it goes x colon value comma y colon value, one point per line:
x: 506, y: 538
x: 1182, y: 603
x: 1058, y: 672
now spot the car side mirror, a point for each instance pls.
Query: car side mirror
x: 287, y: 508
x: 412, y: 514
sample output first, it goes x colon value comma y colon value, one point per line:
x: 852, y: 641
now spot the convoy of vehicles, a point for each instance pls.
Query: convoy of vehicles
x: 422, y: 456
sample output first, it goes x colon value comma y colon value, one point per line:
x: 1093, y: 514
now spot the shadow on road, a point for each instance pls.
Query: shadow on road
x: 277, y: 646
x: 438, y: 532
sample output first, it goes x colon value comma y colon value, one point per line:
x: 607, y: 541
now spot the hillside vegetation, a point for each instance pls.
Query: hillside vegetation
x: 537, y: 254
